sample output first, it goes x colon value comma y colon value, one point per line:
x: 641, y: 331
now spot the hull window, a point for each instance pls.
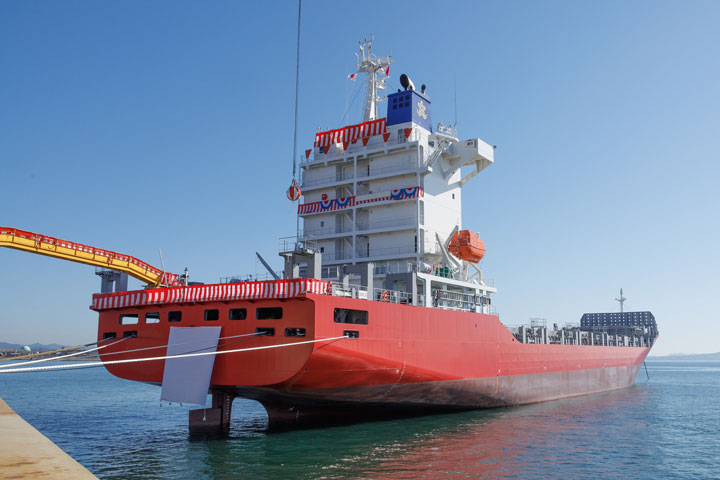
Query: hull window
x: 129, y: 319
x: 174, y: 316
x: 268, y: 332
x: 130, y: 333
x: 153, y: 317
x: 269, y: 313
x: 346, y: 315
x: 238, y: 314
x: 294, y: 332
x: 107, y: 335
x: 212, y: 315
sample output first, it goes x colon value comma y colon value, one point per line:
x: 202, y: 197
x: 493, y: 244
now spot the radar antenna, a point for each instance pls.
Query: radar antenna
x: 621, y: 299
x: 372, y: 65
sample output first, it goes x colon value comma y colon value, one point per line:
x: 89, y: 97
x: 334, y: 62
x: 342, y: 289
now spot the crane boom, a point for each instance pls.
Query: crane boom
x: 77, y: 252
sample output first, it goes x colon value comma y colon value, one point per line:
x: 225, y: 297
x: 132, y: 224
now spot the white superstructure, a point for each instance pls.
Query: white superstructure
x: 387, y: 195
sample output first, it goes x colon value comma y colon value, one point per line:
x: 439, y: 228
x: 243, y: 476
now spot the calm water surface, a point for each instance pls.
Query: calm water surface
x: 664, y: 428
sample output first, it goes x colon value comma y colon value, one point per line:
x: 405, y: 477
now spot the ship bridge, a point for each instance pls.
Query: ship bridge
x: 387, y: 193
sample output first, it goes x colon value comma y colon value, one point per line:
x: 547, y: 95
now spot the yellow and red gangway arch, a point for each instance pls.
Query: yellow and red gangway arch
x: 77, y: 252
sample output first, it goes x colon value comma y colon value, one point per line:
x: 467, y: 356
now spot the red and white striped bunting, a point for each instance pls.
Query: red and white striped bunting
x: 348, y: 202
x: 351, y: 133
x: 211, y: 293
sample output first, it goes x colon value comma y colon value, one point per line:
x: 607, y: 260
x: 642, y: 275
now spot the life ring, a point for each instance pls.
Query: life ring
x: 385, y: 296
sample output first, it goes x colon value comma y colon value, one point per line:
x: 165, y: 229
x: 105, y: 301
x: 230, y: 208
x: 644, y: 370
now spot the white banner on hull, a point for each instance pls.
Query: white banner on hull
x: 187, y: 380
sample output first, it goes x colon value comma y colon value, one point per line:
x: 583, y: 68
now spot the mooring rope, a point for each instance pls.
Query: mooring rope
x: 179, y: 344
x: 164, y: 357
x: 98, y: 364
x: 49, y: 359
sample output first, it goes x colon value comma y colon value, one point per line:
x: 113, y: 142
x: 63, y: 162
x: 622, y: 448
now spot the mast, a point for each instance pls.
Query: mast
x: 372, y: 65
x: 621, y: 299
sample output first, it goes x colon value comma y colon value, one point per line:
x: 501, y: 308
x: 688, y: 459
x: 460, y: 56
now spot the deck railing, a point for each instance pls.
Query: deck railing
x: 378, y: 294
x: 391, y: 222
x: 375, y: 141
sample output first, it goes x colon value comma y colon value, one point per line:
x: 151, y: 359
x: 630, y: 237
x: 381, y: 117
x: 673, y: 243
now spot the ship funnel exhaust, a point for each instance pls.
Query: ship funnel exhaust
x: 406, y: 83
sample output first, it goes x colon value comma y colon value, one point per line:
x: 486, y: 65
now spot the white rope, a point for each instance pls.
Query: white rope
x: 184, y: 343
x: 297, y: 90
x: 165, y: 357
x: 48, y: 359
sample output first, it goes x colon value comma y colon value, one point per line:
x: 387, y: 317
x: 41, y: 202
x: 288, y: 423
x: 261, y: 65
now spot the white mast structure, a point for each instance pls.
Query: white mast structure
x: 372, y: 65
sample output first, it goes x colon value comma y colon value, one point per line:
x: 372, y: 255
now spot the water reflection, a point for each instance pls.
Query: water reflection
x: 664, y: 428
x: 574, y: 436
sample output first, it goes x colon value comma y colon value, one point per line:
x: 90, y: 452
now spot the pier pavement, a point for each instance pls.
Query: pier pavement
x: 26, y: 453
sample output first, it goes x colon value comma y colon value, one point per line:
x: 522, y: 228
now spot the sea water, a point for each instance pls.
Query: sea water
x: 667, y: 427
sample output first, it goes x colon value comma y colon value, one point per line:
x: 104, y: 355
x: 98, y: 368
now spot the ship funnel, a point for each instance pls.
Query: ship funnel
x: 406, y: 83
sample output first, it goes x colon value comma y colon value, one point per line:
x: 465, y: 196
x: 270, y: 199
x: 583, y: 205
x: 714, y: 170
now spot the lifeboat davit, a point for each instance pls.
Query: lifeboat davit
x: 466, y: 245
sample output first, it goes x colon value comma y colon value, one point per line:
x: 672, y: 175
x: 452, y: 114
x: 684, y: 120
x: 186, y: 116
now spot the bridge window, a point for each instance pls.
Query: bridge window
x: 269, y: 313
x: 174, y: 316
x: 346, y: 315
x: 153, y: 317
x: 237, y: 314
x: 212, y: 315
x: 128, y: 319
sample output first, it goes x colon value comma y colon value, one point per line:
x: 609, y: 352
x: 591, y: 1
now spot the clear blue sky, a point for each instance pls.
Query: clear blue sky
x: 137, y: 125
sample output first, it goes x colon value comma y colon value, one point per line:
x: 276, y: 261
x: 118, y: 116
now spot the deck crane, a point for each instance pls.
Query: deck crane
x: 77, y: 252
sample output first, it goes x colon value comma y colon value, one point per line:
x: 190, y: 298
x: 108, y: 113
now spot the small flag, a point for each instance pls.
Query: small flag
x: 387, y: 71
x: 352, y: 76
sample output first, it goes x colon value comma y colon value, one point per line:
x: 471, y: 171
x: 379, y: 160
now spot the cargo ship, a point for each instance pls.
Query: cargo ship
x: 381, y: 307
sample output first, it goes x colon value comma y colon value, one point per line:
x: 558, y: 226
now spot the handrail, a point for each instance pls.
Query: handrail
x: 311, y: 182
x: 407, y: 166
x: 390, y: 222
x: 375, y: 141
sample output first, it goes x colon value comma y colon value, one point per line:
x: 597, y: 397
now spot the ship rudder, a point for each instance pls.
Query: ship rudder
x: 215, y: 420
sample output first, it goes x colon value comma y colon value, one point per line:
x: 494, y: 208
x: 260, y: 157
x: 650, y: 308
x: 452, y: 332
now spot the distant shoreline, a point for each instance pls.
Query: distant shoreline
x: 698, y: 357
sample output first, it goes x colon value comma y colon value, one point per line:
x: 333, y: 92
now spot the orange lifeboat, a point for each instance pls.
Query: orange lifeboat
x: 466, y: 245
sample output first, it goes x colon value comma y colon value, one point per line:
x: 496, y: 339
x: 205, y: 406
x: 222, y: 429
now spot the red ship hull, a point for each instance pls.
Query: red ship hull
x: 406, y: 358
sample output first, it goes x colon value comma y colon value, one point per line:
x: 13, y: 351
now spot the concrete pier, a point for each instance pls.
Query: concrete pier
x: 27, y: 453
